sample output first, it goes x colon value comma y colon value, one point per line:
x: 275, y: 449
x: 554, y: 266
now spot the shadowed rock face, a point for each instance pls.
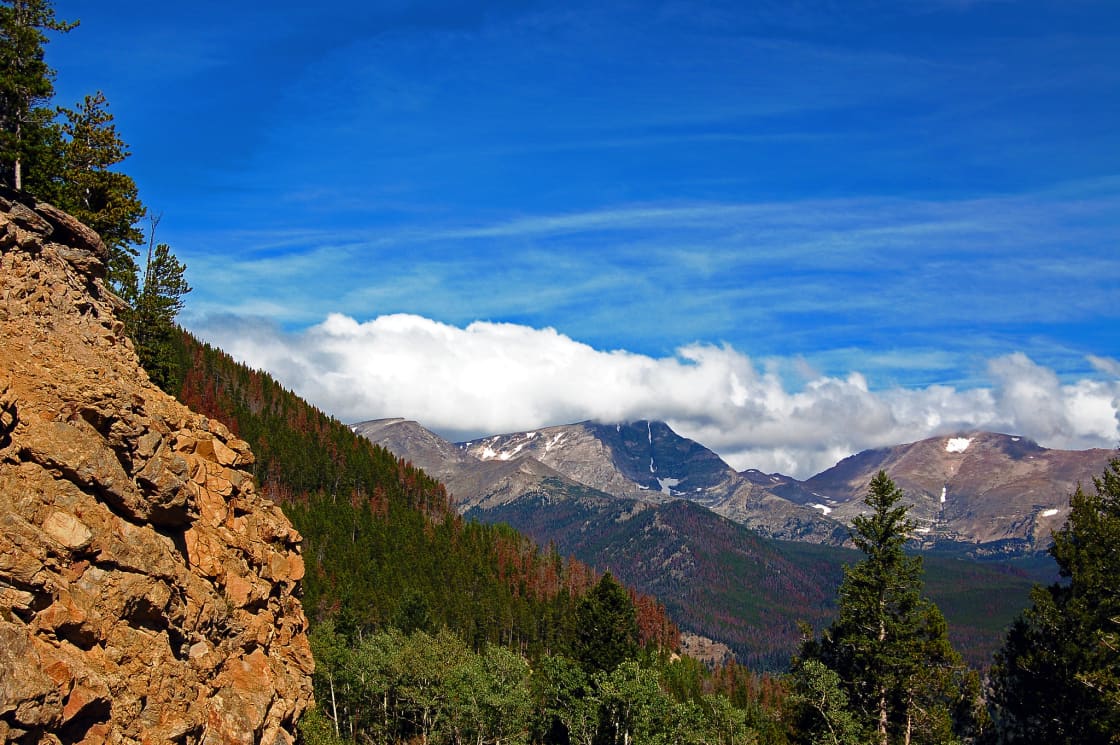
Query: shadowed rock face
x: 147, y: 592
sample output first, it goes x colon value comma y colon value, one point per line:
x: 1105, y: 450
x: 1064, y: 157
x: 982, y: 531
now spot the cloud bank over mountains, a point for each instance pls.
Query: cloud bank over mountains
x: 490, y: 378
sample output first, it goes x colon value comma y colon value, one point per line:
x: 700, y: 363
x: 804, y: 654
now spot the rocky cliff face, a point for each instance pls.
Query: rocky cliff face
x: 148, y: 594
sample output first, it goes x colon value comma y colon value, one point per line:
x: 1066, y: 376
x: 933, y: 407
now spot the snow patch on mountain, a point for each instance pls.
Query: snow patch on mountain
x: 554, y: 442
x: 1048, y: 513
x: 667, y: 485
x: 958, y: 444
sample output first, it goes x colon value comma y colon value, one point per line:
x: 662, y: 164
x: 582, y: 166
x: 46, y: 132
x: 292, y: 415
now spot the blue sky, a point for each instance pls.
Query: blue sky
x: 910, y: 191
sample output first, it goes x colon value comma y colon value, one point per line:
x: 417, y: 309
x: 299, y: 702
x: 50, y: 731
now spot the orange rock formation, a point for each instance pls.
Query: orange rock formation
x: 148, y: 593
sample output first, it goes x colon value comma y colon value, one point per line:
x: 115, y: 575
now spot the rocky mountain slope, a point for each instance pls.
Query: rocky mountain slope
x: 640, y: 460
x: 984, y: 492
x: 997, y: 493
x: 147, y: 592
x: 471, y: 482
x: 1001, y: 492
x: 649, y: 462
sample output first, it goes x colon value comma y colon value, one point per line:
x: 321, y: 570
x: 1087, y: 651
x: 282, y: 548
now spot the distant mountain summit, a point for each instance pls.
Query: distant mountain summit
x: 1003, y: 492
x: 472, y: 482
x: 647, y: 461
x: 640, y: 460
x: 427, y: 450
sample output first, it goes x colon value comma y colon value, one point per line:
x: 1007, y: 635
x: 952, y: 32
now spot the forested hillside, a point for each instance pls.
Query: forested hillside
x: 383, y: 545
x: 724, y: 581
x: 421, y: 608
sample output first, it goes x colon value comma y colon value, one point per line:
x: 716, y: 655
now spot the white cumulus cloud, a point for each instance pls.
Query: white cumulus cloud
x: 490, y: 378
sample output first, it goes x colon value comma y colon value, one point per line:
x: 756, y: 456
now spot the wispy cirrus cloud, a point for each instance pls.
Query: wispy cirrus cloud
x: 784, y: 278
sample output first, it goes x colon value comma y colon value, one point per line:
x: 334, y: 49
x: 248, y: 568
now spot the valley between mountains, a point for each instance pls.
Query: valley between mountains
x: 741, y: 557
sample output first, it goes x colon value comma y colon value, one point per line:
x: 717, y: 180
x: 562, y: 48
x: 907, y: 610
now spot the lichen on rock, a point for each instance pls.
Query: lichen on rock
x: 148, y: 593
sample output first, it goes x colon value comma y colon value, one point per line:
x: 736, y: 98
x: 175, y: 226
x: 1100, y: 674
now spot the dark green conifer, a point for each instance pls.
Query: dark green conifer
x: 26, y: 83
x: 102, y: 198
x: 1057, y: 677
x: 889, y: 645
x: 151, y: 321
x: 606, y: 627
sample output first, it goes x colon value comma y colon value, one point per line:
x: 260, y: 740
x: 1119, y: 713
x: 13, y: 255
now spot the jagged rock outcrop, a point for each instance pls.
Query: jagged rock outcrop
x: 148, y: 593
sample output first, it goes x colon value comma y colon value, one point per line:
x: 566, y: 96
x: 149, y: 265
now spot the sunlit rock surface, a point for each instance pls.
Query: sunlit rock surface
x: 148, y: 594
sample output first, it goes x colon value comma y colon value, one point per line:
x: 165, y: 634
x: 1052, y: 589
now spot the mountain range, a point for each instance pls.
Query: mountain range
x: 987, y: 493
x: 671, y: 518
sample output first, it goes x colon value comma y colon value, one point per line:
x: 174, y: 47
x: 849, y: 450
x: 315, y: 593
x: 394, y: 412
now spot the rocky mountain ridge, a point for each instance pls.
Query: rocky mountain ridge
x: 473, y: 483
x: 638, y: 460
x: 147, y: 592
x: 1005, y: 493
x: 996, y: 493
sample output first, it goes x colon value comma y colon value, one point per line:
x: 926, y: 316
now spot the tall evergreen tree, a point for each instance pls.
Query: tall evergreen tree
x: 101, y: 197
x: 151, y: 321
x: 89, y: 187
x: 43, y: 157
x: 26, y: 82
x: 888, y: 644
x: 607, y: 627
x: 1057, y: 678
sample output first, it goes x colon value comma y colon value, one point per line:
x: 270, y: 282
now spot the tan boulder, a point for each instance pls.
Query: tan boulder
x: 67, y: 530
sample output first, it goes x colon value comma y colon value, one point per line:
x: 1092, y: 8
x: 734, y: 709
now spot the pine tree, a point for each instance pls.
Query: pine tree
x: 889, y: 645
x: 607, y: 627
x: 102, y: 198
x: 1057, y: 677
x: 152, y: 319
x: 88, y: 186
x: 43, y: 156
x: 26, y: 82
